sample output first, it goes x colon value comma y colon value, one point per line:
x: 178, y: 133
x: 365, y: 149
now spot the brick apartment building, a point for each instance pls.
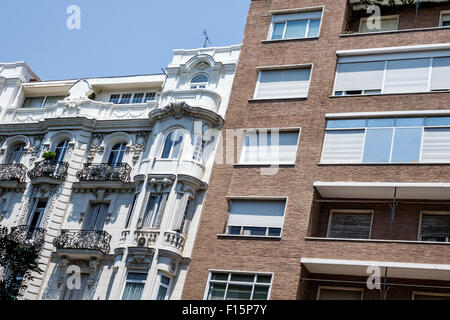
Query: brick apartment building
x: 364, y: 179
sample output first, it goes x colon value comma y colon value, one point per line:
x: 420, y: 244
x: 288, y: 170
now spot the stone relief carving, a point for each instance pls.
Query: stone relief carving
x: 95, y: 146
x: 140, y: 145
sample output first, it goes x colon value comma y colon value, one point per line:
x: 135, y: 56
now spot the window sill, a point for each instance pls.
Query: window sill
x: 356, y: 34
x: 385, y: 164
x: 289, y: 40
x: 238, y: 236
x: 389, y: 94
x: 375, y: 241
x: 277, y: 99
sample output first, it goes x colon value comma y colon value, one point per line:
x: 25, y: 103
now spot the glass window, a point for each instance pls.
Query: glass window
x: 149, y: 96
x: 350, y: 225
x: 435, y: 227
x: 16, y: 153
x: 352, y: 123
x: 407, y: 143
x: 125, y: 98
x: 114, y: 98
x: 386, y: 24
x: 378, y: 145
x: 238, y: 286
x: 33, y: 102
x: 296, y: 26
x: 172, y: 145
x: 61, y: 150
x: 49, y: 101
x: 134, y: 286
x: 199, y: 81
x: 163, y: 288
x: 278, y: 30
x: 295, y: 29
x: 445, y: 20
x: 138, y: 97
x: 154, y: 205
x: 283, y: 84
x: 116, y: 155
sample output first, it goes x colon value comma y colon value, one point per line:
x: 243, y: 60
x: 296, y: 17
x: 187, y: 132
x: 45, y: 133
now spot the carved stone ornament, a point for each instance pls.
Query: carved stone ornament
x: 203, y: 65
x: 159, y: 183
x: 95, y: 145
x: 140, y: 258
x: 140, y: 145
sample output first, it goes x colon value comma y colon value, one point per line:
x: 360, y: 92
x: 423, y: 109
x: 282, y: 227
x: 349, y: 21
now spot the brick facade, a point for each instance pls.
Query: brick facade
x: 304, y: 218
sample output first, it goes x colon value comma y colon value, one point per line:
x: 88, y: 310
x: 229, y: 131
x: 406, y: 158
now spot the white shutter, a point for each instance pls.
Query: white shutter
x: 257, y: 213
x: 343, y: 146
x: 182, y: 199
x: 160, y: 212
x: 440, y: 76
x: 359, y: 76
x: 436, y: 145
x: 407, y: 76
x: 292, y: 83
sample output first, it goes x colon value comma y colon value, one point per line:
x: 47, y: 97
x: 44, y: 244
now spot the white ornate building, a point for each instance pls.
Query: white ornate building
x: 123, y: 197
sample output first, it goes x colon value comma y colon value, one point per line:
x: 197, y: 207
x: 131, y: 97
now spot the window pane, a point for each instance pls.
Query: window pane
x: 136, y: 276
x: 264, y: 278
x: 437, y: 121
x: 435, y: 227
x: 216, y: 291
x: 33, y: 102
x: 126, y: 98
x: 254, y: 231
x: 138, y: 97
x: 260, y: 293
x: 380, y: 122
x: 278, y: 29
x: 239, y: 292
x: 52, y: 100
x: 242, y: 277
x: 407, y: 143
x: 385, y: 25
x: 353, y: 123
x: 149, y: 96
x: 296, y: 29
x: 378, y: 145
x: 234, y: 230
x: 350, y: 225
x: 314, y: 26
x: 161, y: 293
x: 133, y: 291
x: 409, y: 122
x: 274, y: 232
x: 114, y: 98
x: 403, y: 76
x: 219, y: 276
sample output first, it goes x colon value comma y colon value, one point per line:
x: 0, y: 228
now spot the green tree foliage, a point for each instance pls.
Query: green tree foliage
x: 18, y: 262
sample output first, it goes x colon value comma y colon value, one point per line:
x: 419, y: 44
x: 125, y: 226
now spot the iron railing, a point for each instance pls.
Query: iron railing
x: 83, y: 240
x: 49, y: 168
x: 105, y: 172
x: 13, y: 171
x: 28, y: 235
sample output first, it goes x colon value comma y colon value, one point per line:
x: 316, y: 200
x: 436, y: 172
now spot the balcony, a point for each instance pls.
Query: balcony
x: 187, y: 167
x: 12, y: 172
x: 104, y: 172
x: 28, y: 235
x: 145, y: 238
x: 194, y: 97
x: 96, y: 240
x: 48, y: 170
x: 174, y: 240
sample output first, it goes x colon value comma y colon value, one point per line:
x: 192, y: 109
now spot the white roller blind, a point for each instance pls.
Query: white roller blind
x: 407, y: 76
x: 440, y: 76
x: 343, y: 146
x: 257, y: 213
x: 274, y: 149
x: 292, y: 83
x: 436, y: 145
x: 360, y: 76
x: 297, y: 16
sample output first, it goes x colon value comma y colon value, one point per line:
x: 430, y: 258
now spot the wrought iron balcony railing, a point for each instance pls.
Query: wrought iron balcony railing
x: 48, y: 168
x: 28, y: 235
x: 13, y: 171
x: 83, y: 240
x: 104, y: 172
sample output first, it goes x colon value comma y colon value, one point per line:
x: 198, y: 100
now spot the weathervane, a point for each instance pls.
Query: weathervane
x: 206, y: 38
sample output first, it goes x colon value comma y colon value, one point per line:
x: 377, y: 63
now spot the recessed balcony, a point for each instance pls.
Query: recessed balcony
x: 48, y: 171
x: 92, y: 240
x: 28, y: 235
x: 194, y: 97
x: 104, y: 172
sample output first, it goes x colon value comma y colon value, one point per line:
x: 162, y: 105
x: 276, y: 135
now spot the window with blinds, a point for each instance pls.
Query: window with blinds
x: 435, y: 227
x: 269, y: 147
x: 387, y: 140
x: 393, y: 73
x: 283, y: 84
x: 350, y: 225
x: 296, y: 25
x: 256, y: 217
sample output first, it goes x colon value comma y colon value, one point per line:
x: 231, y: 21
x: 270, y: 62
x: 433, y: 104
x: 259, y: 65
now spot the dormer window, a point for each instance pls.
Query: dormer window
x: 199, y: 81
x: 41, y: 102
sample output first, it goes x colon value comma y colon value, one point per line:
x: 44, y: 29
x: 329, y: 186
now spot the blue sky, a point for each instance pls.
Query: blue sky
x: 117, y: 37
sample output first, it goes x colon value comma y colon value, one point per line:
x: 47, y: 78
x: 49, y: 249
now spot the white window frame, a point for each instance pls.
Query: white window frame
x: 362, y: 20
x: 183, y: 141
x: 442, y: 19
x: 133, y: 93
x: 43, y: 101
x: 424, y: 212
x: 294, y: 11
x: 133, y: 281
x: 423, y: 127
x: 350, y: 211
x: 281, y: 68
x: 227, y: 282
x: 160, y: 284
x: 198, y: 85
x: 269, y: 130
x: 386, y: 59
x: 339, y: 289
x: 425, y: 293
x: 256, y: 198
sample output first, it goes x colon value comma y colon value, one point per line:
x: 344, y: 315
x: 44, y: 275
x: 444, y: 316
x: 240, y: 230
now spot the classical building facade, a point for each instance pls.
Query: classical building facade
x: 107, y: 176
x: 356, y: 101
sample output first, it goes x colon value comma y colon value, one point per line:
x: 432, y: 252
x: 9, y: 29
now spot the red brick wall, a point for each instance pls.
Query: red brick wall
x: 283, y: 256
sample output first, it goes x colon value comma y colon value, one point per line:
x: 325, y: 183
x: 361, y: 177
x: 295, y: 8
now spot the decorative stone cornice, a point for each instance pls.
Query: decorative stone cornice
x: 192, y: 182
x: 139, y: 257
x: 181, y: 109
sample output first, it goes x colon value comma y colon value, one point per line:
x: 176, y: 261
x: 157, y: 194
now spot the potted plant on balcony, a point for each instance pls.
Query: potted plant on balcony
x: 49, y: 156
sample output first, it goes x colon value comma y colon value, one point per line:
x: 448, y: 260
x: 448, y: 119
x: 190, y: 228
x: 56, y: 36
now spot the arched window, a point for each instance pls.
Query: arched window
x: 172, y: 145
x: 61, y: 150
x: 15, y: 155
x: 199, y: 81
x: 116, y: 155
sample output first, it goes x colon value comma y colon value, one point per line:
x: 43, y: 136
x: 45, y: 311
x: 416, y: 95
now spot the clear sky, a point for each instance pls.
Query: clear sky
x: 117, y: 37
